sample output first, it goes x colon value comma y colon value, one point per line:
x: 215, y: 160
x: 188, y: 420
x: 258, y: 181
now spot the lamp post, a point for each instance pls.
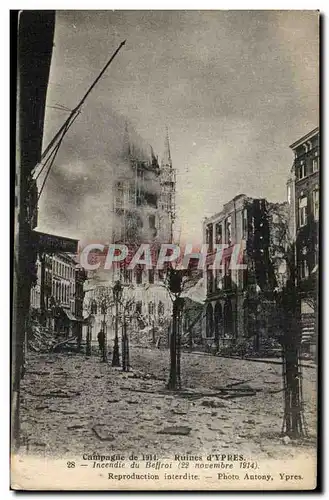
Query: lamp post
x: 88, y: 339
x: 153, y: 332
x: 124, y: 344
x: 90, y: 324
x: 127, y: 357
x: 126, y: 318
x: 104, y: 328
x: 117, y: 294
x: 175, y: 287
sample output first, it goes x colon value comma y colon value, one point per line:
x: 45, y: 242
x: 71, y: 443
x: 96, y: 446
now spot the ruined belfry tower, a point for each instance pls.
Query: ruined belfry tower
x: 143, y: 194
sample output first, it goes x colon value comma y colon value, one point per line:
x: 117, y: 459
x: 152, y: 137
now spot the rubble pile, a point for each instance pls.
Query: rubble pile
x: 245, y: 348
x: 42, y: 339
x: 149, y: 336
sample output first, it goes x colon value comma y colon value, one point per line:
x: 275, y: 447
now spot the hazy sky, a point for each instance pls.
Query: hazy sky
x: 234, y: 87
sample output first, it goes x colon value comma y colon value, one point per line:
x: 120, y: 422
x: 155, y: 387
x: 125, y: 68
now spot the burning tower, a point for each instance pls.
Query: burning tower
x: 144, y: 196
x: 144, y: 212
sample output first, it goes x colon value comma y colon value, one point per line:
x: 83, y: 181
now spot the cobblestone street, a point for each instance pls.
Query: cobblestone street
x: 73, y: 404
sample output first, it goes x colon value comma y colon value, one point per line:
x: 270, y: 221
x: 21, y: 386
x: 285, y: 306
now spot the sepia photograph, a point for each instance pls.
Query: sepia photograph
x: 165, y: 250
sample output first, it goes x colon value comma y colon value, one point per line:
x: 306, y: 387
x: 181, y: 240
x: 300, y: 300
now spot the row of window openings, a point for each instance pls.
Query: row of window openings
x: 151, y: 308
x: 132, y: 198
x: 308, y: 146
x: 61, y: 292
x: 227, y: 225
x: 129, y: 198
x: 223, y: 280
x: 301, y: 171
x: 139, y: 308
x: 129, y: 192
x: 219, y: 321
x: 151, y: 222
x: 127, y: 275
x: 48, y: 278
x: 63, y: 270
x: 302, y: 208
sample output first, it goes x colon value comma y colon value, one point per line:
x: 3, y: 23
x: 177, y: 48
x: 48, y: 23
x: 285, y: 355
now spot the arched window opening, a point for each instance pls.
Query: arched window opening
x: 228, y: 318
x: 218, y: 320
x: 210, y: 322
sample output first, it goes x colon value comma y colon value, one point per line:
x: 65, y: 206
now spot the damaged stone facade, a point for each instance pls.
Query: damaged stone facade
x: 240, y: 302
x: 57, y: 295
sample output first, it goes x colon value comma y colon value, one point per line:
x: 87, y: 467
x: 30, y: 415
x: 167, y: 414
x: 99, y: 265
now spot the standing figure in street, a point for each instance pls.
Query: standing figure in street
x: 79, y: 340
x: 101, y: 341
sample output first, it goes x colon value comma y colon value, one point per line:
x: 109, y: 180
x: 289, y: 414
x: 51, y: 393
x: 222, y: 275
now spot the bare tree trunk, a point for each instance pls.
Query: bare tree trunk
x: 127, y: 349
x: 190, y: 339
x: 178, y: 346
x: 153, y: 333
x: 293, y: 404
x: 123, y: 346
x: 105, y: 340
x: 116, y: 355
x: 286, y: 426
x: 217, y: 335
x: 293, y: 422
x: 172, y: 383
x: 88, y: 339
x: 175, y: 346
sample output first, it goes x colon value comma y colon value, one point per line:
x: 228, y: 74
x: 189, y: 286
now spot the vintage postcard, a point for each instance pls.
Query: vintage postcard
x: 165, y: 259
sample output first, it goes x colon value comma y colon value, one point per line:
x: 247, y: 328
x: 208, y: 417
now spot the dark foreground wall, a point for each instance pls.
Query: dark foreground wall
x: 35, y: 32
x: 35, y: 44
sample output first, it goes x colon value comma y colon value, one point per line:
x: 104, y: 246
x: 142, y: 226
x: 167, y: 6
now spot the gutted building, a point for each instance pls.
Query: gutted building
x: 240, y: 300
